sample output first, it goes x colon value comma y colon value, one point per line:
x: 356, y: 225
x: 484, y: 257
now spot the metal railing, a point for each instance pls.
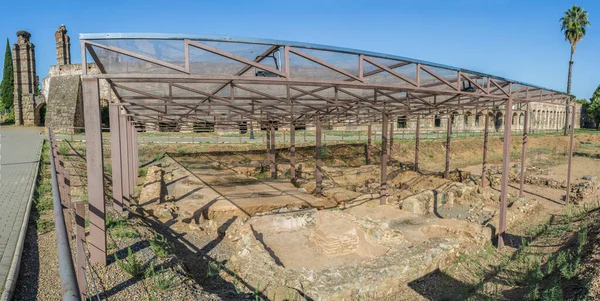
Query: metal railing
x: 69, y: 218
x: 78, y: 134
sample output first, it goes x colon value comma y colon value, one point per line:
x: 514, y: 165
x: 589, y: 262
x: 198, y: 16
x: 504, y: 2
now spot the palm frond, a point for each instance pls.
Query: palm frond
x: 573, y: 24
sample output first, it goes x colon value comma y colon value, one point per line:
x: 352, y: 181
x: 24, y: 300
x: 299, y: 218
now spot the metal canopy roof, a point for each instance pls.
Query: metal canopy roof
x: 177, y: 79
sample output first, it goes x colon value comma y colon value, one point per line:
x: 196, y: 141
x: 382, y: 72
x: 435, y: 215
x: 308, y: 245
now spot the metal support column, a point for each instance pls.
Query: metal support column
x: 130, y: 157
x: 570, y: 156
x: 115, y: 156
x: 384, y: 160
x: 136, y: 154
x: 505, y: 171
x: 318, y: 177
x: 273, y: 154
x: 293, y: 151
x: 268, y: 139
x: 448, y: 135
x: 485, y: 147
x: 417, y: 137
x: 524, y: 150
x: 391, y: 140
x: 80, y: 260
x: 124, y: 160
x: 368, y: 152
x: 95, y: 170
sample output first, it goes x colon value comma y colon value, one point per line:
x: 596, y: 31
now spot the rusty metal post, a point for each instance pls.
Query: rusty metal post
x: 115, y: 156
x: 524, y: 150
x: 80, y: 248
x: 505, y: 171
x: 391, y: 140
x: 136, y: 154
x: 95, y: 170
x: 448, y: 135
x: 124, y: 160
x: 273, y: 154
x: 293, y: 151
x: 384, y: 146
x: 417, y: 138
x: 132, y: 174
x: 570, y: 155
x: 268, y: 139
x: 318, y: 177
x: 485, y: 147
x: 369, y: 145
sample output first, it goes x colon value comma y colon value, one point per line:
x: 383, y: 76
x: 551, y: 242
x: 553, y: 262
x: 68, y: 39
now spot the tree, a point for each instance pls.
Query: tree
x: 573, y: 25
x: 594, y: 108
x: 7, y: 87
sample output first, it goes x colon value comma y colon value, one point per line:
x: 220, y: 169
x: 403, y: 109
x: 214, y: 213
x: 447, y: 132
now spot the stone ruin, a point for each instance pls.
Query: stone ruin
x: 26, y: 103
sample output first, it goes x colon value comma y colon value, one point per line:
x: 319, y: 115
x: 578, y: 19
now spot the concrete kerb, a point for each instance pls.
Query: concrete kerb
x: 13, y: 272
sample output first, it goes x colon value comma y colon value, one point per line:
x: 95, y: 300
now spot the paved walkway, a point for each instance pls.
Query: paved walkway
x: 20, y: 152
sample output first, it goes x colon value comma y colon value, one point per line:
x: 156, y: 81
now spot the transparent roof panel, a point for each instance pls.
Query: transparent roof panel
x: 148, y: 69
x: 114, y: 62
x: 171, y: 51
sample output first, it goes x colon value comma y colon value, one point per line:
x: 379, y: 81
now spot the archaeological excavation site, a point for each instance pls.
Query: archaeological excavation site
x: 251, y: 169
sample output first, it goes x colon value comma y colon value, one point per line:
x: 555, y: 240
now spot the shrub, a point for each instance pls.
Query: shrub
x: 162, y: 280
x: 63, y: 150
x: 160, y: 246
x: 130, y: 265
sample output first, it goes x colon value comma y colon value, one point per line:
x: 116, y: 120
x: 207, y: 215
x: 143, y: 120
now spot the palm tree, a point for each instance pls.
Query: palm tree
x: 573, y: 25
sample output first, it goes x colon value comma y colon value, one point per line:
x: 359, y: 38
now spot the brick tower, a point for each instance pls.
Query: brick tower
x: 25, y: 79
x: 63, y: 46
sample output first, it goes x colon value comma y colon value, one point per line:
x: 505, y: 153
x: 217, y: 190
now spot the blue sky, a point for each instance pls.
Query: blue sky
x: 520, y: 40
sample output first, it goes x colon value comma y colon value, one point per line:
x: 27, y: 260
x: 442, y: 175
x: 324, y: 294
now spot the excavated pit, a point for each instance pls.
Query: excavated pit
x: 336, y: 246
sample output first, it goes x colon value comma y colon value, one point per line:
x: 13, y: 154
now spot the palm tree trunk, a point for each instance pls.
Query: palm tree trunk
x: 568, y: 92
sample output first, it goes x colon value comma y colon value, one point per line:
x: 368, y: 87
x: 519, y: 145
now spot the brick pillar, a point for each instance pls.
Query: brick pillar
x: 63, y: 46
x: 25, y: 79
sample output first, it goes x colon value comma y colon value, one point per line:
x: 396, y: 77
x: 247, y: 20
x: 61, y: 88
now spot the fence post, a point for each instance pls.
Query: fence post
x: 66, y: 199
x: 80, y: 248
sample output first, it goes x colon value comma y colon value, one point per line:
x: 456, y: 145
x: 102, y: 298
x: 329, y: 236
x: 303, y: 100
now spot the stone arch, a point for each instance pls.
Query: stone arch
x: 514, y: 119
x: 40, y: 114
x: 522, y: 119
x: 453, y: 119
x: 401, y: 122
x: 543, y: 120
x: 477, y: 119
x: 467, y: 119
x: 437, y: 122
x: 498, y: 121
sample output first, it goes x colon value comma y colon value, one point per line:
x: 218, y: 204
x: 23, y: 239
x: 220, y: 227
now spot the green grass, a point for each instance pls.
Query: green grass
x: 120, y: 227
x: 163, y: 280
x: 213, y: 269
x: 160, y: 246
x: 44, y: 225
x: 131, y: 265
x: 125, y: 233
x: 158, y: 157
x: 63, y: 150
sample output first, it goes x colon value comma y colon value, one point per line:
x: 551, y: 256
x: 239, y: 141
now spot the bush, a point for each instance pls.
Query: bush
x: 9, y: 118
